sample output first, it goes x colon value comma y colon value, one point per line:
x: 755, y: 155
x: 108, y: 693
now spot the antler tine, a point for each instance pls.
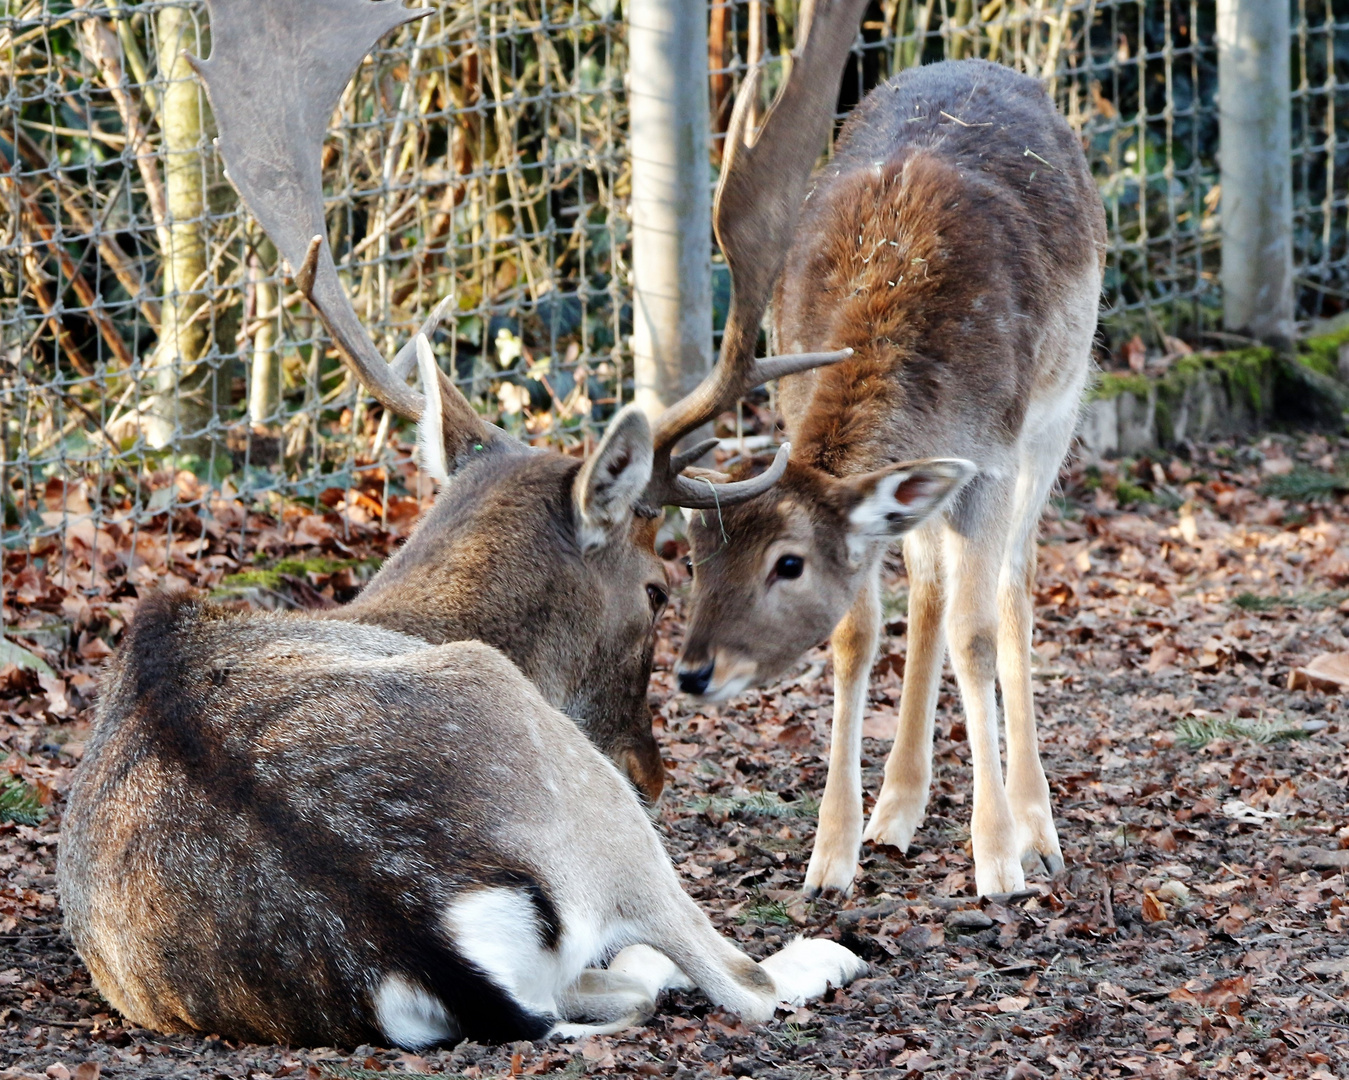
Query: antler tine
x: 697, y: 493
x: 763, y: 183
x: 276, y: 72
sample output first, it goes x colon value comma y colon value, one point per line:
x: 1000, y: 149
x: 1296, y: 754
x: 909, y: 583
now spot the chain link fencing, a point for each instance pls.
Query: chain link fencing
x: 155, y: 359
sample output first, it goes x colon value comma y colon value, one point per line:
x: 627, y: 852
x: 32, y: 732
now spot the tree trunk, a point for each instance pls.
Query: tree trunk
x: 264, y: 387
x: 671, y: 199
x: 183, y: 387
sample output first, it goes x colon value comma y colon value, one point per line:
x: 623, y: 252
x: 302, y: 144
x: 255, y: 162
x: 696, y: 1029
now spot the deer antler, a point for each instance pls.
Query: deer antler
x: 276, y: 72
x: 763, y: 182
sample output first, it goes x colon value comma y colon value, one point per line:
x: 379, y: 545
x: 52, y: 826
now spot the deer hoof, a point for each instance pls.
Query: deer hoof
x: 893, y: 825
x: 826, y: 875
x: 1039, y: 842
x: 994, y: 876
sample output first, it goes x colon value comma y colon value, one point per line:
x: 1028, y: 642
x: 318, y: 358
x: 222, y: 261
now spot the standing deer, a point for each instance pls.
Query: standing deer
x: 955, y: 243
x: 378, y: 823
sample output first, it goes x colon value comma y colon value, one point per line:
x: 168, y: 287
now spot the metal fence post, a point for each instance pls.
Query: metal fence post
x: 1255, y: 120
x: 671, y: 198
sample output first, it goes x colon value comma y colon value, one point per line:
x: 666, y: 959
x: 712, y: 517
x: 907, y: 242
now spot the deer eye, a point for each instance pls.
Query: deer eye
x: 658, y: 597
x: 688, y: 564
x: 789, y: 566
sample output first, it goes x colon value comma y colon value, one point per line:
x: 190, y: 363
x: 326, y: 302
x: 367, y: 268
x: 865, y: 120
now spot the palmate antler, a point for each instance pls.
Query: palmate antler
x: 276, y: 72
x: 763, y: 182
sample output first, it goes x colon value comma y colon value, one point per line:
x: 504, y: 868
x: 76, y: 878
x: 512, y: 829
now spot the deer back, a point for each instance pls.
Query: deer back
x: 500, y: 558
x: 956, y: 226
x: 955, y: 246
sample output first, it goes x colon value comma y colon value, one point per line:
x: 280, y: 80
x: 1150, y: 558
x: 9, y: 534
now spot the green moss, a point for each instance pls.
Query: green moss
x: 270, y: 577
x: 1111, y: 384
x: 1322, y: 354
x: 1247, y: 372
x: 20, y: 803
x: 1128, y: 493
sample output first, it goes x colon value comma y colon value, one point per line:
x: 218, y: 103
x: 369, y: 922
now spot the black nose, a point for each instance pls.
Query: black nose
x: 695, y: 682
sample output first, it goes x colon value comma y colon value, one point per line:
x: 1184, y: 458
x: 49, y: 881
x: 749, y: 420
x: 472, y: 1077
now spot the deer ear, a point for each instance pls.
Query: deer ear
x: 893, y: 500
x: 613, y: 479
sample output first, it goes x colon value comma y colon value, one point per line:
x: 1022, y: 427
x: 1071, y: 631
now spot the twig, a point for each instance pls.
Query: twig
x: 102, y: 46
x: 1340, y: 1005
x: 83, y: 289
x: 50, y: 308
x: 122, y: 265
x: 951, y: 903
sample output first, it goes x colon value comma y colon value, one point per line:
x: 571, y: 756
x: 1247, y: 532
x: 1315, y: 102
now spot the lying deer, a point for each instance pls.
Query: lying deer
x: 955, y: 243
x: 387, y: 822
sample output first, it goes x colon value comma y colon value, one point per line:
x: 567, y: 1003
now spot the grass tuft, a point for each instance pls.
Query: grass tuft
x: 1196, y: 732
x: 1128, y: 493
x: 763, y: 910
x: 760, y: 803
x: 792, y: 1034
x: 1249, y: 601
x: 1304, y: 484
x: 19, y: 803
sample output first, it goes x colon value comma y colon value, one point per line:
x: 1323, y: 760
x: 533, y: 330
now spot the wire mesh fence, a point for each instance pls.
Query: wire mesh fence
x: 156, y: 358
x: 1320, y: 95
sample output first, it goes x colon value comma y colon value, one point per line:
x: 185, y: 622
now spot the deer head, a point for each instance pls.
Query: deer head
x: 546, y: 557
x: 773, y: 575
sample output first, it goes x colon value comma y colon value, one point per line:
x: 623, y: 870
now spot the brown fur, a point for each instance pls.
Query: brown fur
x: 936, y: 251
x: 955, y: 243
x: 497, y: 559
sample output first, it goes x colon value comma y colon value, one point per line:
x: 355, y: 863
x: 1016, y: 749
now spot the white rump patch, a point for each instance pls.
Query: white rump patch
x: 808, y: 967
x: 409, y: 1016
x: 497, y: 930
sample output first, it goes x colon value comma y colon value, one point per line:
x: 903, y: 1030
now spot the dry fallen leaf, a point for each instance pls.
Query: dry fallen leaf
x: 1328, y: 672
x: 1012, y: 1004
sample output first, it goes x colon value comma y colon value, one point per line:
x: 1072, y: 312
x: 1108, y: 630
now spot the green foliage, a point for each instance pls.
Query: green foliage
x: 792, y: 1034
x: 760, y: 803
x: 1128, y: 493
x: 20, y: 803
x: 1111, y: 384
x: 1322, y: 354
x: 1196, y: 732
x: 1305, y: 484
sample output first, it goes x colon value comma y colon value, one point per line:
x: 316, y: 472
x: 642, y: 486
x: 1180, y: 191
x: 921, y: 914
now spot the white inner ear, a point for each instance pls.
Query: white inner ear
x: 612, y: 481
x: 873, y: 516
x: 882, y: 514
x: 431, y: 426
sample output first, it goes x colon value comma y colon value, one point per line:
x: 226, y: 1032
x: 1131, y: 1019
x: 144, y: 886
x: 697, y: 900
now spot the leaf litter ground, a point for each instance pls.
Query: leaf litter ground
x: 1199, y: 929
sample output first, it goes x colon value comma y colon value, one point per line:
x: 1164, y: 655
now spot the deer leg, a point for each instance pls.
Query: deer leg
x: 1027, y: 788
x: 677, y: 929
x: 973, y: 554
x: 908, y: 770
x: 833, y: 862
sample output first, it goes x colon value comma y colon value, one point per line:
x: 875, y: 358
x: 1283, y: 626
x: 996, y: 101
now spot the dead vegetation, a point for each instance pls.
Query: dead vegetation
x: 1198, y: 931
